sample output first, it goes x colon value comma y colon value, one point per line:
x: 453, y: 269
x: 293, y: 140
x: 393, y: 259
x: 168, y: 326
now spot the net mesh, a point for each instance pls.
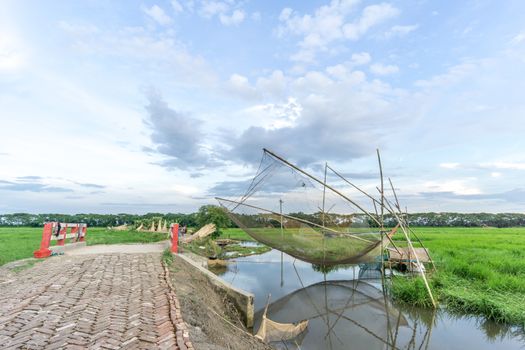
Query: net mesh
x: 289, y: 211
x: 343, y: 312
x: 271, y: 331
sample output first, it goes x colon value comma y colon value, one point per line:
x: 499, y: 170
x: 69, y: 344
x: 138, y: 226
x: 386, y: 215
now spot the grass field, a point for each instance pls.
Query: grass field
x: 20, y: 242
x: 479, y: 271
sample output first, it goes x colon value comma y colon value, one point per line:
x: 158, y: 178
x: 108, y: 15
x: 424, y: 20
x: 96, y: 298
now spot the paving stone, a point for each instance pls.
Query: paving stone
x: 106, y: 301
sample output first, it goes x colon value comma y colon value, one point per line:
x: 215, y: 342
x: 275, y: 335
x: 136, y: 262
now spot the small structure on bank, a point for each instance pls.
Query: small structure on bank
x: 204, y: 231
x: 161, y: 226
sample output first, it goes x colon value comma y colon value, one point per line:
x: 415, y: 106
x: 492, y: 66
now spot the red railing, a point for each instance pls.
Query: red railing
x: 57, y: 231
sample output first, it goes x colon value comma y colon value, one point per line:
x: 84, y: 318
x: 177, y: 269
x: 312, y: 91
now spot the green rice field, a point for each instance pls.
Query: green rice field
x: 479, y: 271
x: 20, y: 242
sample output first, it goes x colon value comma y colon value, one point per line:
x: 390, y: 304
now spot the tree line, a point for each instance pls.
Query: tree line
x: 210, y: 213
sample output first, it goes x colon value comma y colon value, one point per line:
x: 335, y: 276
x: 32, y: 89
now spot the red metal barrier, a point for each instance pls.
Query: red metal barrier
x: 58, y: 231
x: 83, y: 233
x: 44, y: 251
x: 61, y: 236
x: 174, y: 232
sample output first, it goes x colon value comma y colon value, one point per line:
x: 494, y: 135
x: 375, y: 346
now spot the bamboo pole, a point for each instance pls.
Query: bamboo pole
x: 324, y: 193
x: 382, y: 190
x: 375, y: 201
x: 383, y: 277
x: 395, y: 195
x: 320, y: 182
x: 323, y: 212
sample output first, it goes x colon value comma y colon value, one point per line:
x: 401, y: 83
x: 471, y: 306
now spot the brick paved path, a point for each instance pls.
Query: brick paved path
x: 107, y: 301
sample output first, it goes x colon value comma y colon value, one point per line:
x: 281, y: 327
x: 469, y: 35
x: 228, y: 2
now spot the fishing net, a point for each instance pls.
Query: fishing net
x: 271, y: 331
x: 286, y: 209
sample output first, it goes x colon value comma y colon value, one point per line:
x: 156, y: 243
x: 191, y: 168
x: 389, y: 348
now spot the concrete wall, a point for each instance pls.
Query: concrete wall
x: 242, y: 300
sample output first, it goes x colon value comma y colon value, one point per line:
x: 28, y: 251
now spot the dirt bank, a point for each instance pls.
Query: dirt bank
x: 201, y: 306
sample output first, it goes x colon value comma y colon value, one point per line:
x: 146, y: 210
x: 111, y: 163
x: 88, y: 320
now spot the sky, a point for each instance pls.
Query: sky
x: 159, y: 106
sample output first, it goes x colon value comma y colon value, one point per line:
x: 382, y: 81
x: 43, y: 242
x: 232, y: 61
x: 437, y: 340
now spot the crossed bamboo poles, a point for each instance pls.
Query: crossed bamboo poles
x: 393, y: 209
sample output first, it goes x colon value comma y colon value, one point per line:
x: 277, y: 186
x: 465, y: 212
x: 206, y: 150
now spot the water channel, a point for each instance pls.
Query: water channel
x: 347, y: 309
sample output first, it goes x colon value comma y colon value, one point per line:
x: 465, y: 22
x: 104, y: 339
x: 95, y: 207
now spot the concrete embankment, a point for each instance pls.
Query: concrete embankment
x: 242, y: 300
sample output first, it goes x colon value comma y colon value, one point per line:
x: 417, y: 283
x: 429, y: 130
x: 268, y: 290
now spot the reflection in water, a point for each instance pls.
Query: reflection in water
x: 340, y: 313
x: 345, y: 310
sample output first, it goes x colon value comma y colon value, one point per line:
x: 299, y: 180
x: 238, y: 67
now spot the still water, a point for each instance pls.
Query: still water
x: 346, y: 309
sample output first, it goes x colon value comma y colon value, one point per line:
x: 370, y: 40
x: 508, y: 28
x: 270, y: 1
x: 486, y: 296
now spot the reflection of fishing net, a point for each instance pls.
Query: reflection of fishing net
x: 341, y: 312
x: 289, y: 211
x: 271, y: 331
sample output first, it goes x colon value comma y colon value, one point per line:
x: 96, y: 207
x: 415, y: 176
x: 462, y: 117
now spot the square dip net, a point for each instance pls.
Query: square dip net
x: 292, y: 211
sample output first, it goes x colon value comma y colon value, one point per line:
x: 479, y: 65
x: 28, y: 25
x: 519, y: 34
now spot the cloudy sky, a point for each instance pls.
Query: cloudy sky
x: 138, y: 106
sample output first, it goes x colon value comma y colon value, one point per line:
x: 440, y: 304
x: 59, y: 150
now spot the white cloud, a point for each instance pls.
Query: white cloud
x: 210, y: 9
x: 78, y: 29
x: 234, y: 19
x: 12, y: 56
x: 518, y: 38
x: 273, y: 116
x: 400, y: 30
x: 285, y: 15
x: 361, y: 58
x: 505, y: 165
x: 381, y: 69
x: 157, y: 51
x: 449, y: 165
x: 460, y: 187
x: 239, y: 85
x: 337, y: 70
x: 177, y: 7
x: 453, y: 75
x: 372, y: 15
x: 346, y: 70
x: 158, y: 14
x: 228, y: 12
x: 330, y: 23
x: 273, y: 86
x: 495, y: 174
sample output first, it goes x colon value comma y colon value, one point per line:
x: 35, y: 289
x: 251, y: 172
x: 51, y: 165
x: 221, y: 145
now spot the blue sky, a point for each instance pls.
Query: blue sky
x: 137, y: 106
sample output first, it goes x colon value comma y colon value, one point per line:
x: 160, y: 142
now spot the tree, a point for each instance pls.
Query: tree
x: 212, y: 214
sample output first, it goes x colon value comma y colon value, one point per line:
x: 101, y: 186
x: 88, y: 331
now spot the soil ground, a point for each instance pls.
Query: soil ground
x: 201, y: 306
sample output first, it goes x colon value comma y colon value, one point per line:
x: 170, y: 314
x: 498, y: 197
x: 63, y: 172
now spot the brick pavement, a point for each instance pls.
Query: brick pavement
x: 107, y: 301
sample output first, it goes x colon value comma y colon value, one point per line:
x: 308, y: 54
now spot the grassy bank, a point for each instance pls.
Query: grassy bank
x: 479, y: 271
x: 207, y: 247
x: 20, y: 242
